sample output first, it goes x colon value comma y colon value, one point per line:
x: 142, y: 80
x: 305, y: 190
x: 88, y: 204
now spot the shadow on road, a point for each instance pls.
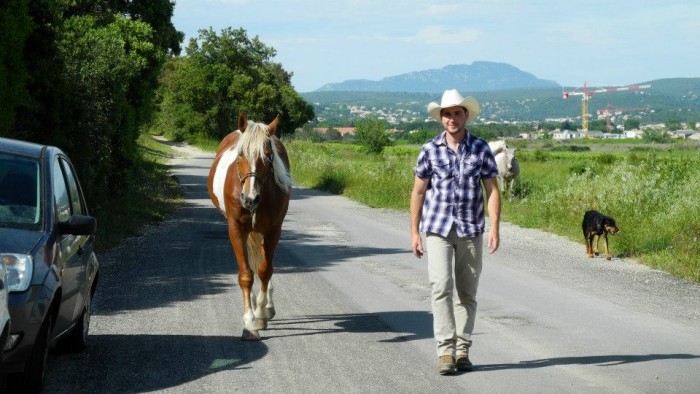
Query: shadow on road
x: 152, y: 362
x: 602, y: 361
x: 382, y: 322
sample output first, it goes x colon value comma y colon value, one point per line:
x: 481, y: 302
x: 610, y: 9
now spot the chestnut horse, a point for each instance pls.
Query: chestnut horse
x: 249, y: 183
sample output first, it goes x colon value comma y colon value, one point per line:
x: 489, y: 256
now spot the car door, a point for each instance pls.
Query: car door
x: 74, y: 251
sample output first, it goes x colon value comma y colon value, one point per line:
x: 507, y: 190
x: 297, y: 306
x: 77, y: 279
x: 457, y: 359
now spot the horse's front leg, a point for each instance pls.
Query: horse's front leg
x: 265, y: 307
x: 245, y: 282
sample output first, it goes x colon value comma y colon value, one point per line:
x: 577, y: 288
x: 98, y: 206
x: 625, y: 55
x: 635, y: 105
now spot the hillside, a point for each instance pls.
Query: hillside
x: 476, y: 77
x: 676, y: 98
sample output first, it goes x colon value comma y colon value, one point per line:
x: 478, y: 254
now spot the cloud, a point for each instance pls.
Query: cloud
x: 441, y: 35
x: 442, y: 9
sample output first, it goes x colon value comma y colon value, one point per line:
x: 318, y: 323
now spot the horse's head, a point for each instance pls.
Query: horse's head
x: 255, y: 160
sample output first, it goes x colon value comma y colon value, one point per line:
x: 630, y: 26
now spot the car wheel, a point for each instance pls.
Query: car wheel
x: 32, y: 379
x: 77, y: 339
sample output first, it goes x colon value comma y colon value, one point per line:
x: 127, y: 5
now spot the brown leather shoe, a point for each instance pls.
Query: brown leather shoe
x: 446, y: 365
x: 463, y: 363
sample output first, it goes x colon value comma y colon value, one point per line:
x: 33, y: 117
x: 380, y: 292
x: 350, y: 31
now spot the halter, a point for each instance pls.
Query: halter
x: 263, y: 180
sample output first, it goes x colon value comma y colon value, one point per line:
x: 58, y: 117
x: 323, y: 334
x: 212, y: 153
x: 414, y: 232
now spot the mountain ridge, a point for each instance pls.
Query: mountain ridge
x: 476, y: 77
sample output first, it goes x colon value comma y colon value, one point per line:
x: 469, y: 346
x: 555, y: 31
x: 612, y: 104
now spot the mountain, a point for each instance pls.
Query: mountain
x: 673, y: 98
x: 476, y: 77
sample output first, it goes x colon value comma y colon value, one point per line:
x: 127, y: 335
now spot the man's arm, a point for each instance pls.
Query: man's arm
x: 493, y: 196
x: 420, y: 186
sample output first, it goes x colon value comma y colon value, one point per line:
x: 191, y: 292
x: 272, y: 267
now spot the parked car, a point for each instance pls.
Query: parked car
x: 4, y: 310
x: 46, y: 245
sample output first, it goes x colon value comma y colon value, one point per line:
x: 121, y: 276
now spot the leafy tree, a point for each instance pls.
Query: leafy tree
x: 333, y: 134
x: 656, y: 136
x: 372, y: 134
x: 81, y: 75
x: 221, y: 76
x: 118, y: 65
x: 567, y: 125
x: 15, y: 27
x: 632, y: 124
x: 673, y: 124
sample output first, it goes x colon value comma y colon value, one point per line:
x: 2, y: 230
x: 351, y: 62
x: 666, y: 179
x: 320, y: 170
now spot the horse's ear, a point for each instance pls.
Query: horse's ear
x: 242, y: 122
x: 273, y: 125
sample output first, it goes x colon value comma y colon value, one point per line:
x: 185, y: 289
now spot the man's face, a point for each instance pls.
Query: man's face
x: 453, y: 119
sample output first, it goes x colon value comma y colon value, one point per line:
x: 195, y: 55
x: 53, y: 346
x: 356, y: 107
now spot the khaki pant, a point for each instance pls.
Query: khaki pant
x: 453, y: 294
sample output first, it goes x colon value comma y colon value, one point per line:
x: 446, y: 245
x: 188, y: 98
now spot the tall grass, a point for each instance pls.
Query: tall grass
x: 653, y: 195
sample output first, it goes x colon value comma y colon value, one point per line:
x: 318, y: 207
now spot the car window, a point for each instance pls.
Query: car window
x: 76, y: 200
x: 19, y: 192
x: 60, y: 193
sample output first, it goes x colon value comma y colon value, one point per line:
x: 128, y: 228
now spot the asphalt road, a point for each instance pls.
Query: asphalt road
x: 353, y: 312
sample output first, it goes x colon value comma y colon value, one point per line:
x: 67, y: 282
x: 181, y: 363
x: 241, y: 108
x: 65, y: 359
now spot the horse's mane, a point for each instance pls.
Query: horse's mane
x: 251, y: 145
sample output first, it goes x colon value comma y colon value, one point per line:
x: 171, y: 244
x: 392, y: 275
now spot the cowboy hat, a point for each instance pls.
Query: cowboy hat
x: 452, y: 98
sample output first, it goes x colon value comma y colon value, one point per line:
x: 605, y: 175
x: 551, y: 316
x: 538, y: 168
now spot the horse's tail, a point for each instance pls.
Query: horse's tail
x: 254, y: 250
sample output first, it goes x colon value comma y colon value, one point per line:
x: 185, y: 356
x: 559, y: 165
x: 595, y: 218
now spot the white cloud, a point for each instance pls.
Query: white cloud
x: 442, y: 9
x: 441, y: 35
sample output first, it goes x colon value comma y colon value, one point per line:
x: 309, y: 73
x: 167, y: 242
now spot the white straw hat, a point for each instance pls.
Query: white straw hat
x: 452, y: 98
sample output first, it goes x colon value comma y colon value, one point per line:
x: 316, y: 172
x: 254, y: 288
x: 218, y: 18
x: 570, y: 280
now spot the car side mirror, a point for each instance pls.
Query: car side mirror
x: 78, y: 225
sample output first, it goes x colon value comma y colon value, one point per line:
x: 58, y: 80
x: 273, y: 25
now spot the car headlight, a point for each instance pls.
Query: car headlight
x: 20, y: 268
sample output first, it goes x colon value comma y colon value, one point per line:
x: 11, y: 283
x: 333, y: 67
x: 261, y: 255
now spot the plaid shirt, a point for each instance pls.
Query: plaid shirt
x: 455, y: 195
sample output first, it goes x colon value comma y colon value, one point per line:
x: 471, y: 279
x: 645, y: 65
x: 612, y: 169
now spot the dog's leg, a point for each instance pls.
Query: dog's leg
x: 589, y: 245
x: 605, y: 244
x: 596, y: 242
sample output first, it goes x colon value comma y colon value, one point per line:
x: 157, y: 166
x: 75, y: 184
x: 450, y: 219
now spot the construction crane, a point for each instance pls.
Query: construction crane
x: 609, y: 111
x: 587, y: 93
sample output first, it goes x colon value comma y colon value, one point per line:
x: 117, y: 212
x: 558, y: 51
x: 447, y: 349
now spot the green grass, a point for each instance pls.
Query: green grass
x: 152, y: 194
x: 652, y: 193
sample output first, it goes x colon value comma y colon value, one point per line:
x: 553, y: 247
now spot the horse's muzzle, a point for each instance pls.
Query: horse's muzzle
x: 250, y: 202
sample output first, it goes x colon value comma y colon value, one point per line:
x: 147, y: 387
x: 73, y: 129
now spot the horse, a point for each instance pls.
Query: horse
x: 497, y: 146
x: 508, y: 170
x: 250, y: 183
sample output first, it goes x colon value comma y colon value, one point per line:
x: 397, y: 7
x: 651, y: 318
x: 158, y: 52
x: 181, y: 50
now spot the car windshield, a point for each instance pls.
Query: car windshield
x: 19, y: 193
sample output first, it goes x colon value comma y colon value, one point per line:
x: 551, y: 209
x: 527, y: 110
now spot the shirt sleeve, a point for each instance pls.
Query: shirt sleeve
x: 489, y: 168
x: 423, y: 169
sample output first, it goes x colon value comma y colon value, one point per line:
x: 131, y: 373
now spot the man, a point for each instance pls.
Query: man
x: 447, y: 204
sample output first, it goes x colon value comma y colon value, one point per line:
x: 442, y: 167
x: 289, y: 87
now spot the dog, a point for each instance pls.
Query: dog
x: 596, y: 225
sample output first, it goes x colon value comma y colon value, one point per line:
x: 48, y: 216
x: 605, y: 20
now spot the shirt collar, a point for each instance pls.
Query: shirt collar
x: 440, y: 140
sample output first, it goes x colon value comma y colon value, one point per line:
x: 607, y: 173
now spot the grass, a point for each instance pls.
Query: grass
x: 650, y: 190
x: 153, y: 194
x: 652, y: 193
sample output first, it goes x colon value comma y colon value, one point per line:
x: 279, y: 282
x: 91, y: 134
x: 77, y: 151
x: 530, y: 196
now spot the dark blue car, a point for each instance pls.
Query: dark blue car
x: 46, y: 246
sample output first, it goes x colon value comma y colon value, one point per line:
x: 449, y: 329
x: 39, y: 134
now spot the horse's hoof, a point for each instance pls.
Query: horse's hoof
x: 269, y: 313
x: 261, y: 324
x: 250, y: 335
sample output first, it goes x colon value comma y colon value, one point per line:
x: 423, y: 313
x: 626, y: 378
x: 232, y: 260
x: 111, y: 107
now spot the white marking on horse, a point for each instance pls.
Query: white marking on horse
x: 227, y: 158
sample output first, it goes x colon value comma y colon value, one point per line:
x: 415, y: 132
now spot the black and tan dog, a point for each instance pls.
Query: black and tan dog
x: 596, y: 225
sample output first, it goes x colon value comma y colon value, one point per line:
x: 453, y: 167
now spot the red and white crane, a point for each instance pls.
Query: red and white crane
x: 587, y: 93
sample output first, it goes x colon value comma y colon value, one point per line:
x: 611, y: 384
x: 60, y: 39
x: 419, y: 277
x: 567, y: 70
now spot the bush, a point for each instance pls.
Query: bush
x: 372, y: 134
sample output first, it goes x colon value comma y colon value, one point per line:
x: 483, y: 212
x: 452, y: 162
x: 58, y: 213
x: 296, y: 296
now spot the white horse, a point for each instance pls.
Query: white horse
x: 508, y: 170
x: 497, y: 146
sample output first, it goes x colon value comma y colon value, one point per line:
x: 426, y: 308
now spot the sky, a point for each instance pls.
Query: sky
x: 571, y: 42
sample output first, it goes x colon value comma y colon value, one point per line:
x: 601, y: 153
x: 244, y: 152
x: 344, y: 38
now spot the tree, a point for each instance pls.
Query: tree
x: 656, y: 136
x: 632, y: 124
x: 15, y: 27
x: 673, y: 124
x: 372, y: 134
x: 221, y: 76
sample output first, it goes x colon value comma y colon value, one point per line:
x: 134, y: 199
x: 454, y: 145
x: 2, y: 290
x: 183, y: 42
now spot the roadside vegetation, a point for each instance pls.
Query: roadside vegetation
x: 651, y: 191
x: 154, y: 193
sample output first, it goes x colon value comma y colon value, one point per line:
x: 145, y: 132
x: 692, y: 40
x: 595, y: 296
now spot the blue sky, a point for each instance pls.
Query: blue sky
x: 612, y: 43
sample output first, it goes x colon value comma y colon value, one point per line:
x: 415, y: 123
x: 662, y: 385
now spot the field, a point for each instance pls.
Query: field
x: 652, y: 191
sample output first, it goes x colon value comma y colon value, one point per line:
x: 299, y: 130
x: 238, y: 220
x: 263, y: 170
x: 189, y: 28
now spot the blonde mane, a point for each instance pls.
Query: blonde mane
x: 251, y: 145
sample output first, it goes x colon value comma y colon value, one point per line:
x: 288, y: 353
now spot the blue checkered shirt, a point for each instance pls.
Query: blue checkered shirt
x: 454, y: 195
